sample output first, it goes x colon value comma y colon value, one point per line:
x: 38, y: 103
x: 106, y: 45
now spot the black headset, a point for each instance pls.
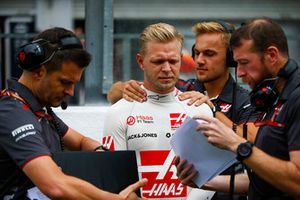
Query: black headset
x: 229, y: 54
x: 264, y: 95
x: 32, y: 55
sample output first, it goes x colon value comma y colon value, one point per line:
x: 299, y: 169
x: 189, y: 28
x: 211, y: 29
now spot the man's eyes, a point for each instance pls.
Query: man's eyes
x: 65, y: 82
x: 206, y: 53
x: 159, y: 62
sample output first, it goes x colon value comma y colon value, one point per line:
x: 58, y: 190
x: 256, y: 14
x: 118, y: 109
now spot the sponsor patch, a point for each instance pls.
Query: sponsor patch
x: 157, y: 166
x: 142, y: 135
x: 108, y: 142
x: 225, y: 107
x: 130, y: 120
x: 23, y: 131
x: 176, y: 119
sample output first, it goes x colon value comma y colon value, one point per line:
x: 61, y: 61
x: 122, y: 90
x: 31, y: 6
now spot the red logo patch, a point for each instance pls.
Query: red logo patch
x: 158, y: 168
x: 225, y: 107
x: 108, y: 142
x: 176, y: 119
x: 22, y: 56
x: 130, y: 120
x: 25, y: 107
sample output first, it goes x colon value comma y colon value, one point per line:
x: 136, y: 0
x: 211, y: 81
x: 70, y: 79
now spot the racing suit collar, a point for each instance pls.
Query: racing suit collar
x: 155, y: 97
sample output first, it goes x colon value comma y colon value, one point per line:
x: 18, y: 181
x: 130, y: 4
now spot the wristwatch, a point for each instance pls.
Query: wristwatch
x: 215, y: 109
x: 243, y: 151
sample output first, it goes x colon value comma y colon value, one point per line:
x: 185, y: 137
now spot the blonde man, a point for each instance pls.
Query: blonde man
x: 147, y: 127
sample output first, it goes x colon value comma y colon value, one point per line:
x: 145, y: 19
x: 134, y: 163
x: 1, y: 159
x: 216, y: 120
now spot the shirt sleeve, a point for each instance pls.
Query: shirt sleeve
x: 292, y: 124
x: 115, y: 126
x: 61, y: 125
x: 20, y: 134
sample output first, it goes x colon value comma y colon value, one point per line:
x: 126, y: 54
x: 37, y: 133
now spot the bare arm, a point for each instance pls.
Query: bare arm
x: 76, y: 141
x: 46, y: 175
x: 222, y: 184
x: 116, y: 92
x: 251, y: 129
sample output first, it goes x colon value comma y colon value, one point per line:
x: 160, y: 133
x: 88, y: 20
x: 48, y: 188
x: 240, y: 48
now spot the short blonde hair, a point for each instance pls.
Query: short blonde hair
x: 214, y: 27
x: 160, y: 32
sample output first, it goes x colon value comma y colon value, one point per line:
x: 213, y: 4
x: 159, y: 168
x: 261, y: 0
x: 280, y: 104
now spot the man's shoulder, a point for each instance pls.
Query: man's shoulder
x: 193, y: 110
x: 14, y: 113
x: 121, y: 106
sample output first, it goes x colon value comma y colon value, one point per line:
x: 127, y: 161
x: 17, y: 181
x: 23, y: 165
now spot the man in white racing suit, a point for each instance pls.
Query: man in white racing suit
x: 147, y: 127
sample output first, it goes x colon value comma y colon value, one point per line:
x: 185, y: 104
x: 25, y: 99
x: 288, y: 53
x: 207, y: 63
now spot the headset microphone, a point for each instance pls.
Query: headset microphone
x: 64, y: 105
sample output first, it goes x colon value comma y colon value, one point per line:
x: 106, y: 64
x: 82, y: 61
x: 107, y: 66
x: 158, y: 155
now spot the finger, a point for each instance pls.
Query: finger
x: 180, y: 166
x: 133, y: 96
x: 189, y: 179
x: 186, y: 95
x: 176, y: 160
x: 185, y: 172
x: 127, y: 98
x: 205, y: 118
x: 133, y: 89
x: 204, y: 99
x: 197, y: 100
x: 133, y: 187
x: 138, y: 89
x: 130, y: 90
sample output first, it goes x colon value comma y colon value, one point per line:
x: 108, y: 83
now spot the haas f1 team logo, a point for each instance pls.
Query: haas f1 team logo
x: 157, y: 166
x: 108, y: 142
x: 176, y: 119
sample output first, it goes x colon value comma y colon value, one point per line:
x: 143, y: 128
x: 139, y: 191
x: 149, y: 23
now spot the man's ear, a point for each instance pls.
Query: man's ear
x: 272, y: 54
x: 39, y: 73
x: 139, y: 59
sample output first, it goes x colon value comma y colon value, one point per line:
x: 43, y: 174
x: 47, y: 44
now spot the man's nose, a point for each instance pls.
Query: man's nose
x: 69, y: 90
x: 240, y: 71
x: 166, y: 66
x: 200, y: 58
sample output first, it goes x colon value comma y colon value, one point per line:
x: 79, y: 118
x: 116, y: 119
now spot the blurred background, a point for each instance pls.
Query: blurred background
x: 110, y: 30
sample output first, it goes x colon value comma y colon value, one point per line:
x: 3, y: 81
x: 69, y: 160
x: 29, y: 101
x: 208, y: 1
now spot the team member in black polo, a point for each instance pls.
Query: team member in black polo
x: 29, y: 130
x: 242, y: 108
x: 261, y: 50
x: 213, y: 59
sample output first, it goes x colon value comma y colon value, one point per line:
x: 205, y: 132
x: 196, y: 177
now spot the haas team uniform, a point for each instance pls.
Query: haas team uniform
x: 148, y: 127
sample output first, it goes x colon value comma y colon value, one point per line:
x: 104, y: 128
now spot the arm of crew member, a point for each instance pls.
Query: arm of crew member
x: 222, y: 184
x: 284, y: 175
x: 251, y: 128
x: 46, y: 175
x: 116, y: 92
x: 75, y: 141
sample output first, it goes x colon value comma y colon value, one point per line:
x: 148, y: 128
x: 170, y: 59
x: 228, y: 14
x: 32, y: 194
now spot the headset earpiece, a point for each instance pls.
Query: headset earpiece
x: 264, y: 95
x: 229, y: 54
x: 32, y: 55
x: 70, y: 43
x: 193, y: 52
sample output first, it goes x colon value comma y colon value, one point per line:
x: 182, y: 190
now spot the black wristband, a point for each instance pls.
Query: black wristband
x: 101, y: 147
x: 215, y: 109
